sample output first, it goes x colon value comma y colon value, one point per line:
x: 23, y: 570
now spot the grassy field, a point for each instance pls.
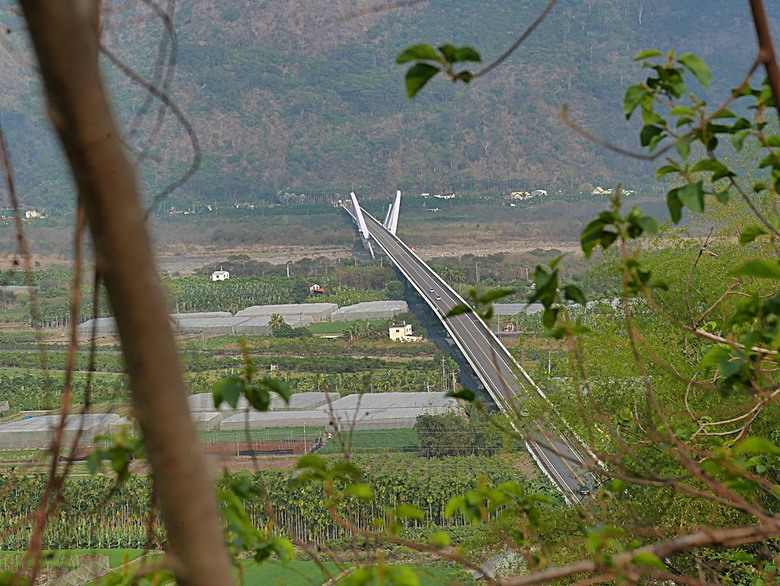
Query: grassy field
x: 305, y: 573
x: 269, y: 573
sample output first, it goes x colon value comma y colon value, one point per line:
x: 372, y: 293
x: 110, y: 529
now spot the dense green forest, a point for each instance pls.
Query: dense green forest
x: 288, y: 98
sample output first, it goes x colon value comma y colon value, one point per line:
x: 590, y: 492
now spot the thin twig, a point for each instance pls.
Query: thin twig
x: 171, y: 105
x: 520, y: 40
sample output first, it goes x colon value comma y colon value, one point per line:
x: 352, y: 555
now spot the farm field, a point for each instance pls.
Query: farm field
x: 379, y: 440
x: 306, y: 573
x: 70, y: 559
x: 339, y: 327
x: 269, y: 573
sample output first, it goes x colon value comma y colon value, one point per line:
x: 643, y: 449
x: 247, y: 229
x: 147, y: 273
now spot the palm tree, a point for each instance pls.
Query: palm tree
x: 276, y: 321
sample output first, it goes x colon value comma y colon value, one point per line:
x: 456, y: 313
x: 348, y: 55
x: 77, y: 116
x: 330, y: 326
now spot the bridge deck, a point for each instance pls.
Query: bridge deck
x: 506, y: 382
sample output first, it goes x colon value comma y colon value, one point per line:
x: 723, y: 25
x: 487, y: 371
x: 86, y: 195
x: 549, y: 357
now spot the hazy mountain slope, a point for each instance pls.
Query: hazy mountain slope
x: 305, y: 96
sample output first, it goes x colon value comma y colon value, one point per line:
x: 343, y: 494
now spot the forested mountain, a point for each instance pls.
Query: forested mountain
x: 305, y: 96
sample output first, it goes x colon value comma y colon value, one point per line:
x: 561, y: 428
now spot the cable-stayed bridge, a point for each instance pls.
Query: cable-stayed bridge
x: 501, y: 376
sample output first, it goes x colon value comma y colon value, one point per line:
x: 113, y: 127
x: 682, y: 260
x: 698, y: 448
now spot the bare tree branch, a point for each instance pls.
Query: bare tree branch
x: 520, y: 40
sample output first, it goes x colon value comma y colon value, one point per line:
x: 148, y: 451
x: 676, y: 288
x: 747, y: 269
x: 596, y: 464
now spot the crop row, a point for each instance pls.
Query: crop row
x: 37, y: 390
x: 201, y: 361
x: 88, y: 518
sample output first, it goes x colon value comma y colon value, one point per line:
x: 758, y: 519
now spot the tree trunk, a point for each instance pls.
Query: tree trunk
x: 64, y: 34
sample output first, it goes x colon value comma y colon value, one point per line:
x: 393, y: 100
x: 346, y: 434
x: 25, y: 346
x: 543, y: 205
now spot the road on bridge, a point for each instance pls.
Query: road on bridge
x: 502, y: 377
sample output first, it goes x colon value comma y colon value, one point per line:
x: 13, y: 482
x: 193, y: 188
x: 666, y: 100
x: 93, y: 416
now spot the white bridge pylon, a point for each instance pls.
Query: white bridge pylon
x: 359, y: 215
x: 386, y: 223
x: 391, y: 220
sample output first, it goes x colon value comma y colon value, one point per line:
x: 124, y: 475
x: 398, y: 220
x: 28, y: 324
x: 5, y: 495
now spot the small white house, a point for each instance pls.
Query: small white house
x: 220, y: 275
x: 403, y: 333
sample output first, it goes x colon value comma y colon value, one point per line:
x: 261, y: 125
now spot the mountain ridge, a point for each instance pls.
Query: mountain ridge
x: 286, y: 96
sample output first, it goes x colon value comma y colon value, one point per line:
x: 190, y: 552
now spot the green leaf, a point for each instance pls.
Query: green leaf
x: 402, y: 576
x: 683, y: 146
x: 722, y: 196
x: 634, y: 96
x: 440, y: 539
x: 228, y: 390
x: 715, y: 355
x: 467, y: 54
x: 278, y: 386
x: 449, y: 52
x: 682, y: 121
x: 698, y: 67
x: 675, y: 206
x: 648, y: 224
x: 723, y: 114
x: 665, y: 170
x: 417, y: 52
x: 360, y: 577
x: 731, y: 367
x: 593, y: 234
x: 718, y: 169
x: 649, y: 134
x: 682, y: 110
x: 692, y: 196
x: 93, y: 464
x: 554, y: 262
x: 455, y: 504
x: 405, y: 511
x: 764, y: 268
x: 574, y: 293
x: 615, y: 485
x: 756, y: 445
x: 649, y: 116
x: 311, y: 461
x: 750, y: 233
x: 496, y: 294
x: 646, y: 54
x: 347, y: 470
x: 549, y: 317
x: 645, y: 558
x: 258, y: 397
x: 417, y: 76
x: 459, y: 309
x: 360, y: 491
x: 464, y: 395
